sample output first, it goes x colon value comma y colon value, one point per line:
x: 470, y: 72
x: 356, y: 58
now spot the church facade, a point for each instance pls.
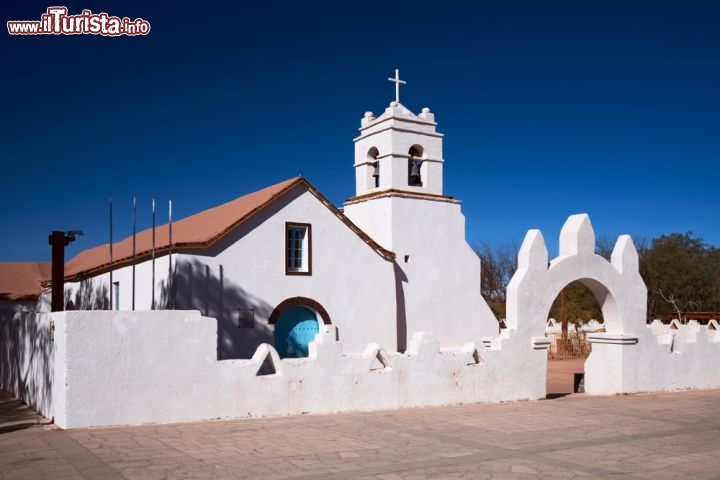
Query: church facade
x: 275, y: 265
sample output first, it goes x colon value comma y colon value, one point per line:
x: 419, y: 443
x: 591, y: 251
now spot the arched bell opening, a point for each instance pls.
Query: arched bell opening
x: 415, y: 160
x: 373, y: 166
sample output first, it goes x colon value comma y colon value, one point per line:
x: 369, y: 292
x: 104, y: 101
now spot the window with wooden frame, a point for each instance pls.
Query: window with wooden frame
x: 298, y: 248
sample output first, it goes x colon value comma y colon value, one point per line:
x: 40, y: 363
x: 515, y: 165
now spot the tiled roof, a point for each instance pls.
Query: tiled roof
x: 197, y: 231
x: 21, y: 280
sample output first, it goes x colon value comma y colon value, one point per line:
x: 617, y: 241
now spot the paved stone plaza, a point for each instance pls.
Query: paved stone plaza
x: 663, y: 435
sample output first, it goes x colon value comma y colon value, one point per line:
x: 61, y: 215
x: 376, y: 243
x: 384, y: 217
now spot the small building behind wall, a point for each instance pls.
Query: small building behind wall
x: 25, y: 340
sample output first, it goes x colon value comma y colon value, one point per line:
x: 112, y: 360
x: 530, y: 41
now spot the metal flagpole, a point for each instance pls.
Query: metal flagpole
x: 111, y: 257
x: 171, y: 300
x: 152, y: 305
x: 133, y: 257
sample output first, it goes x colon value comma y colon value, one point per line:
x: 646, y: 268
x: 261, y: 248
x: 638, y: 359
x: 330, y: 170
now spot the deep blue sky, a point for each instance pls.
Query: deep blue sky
x: 548, y: 109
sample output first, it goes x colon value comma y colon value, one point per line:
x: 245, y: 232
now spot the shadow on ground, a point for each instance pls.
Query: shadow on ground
x: 15, y: 415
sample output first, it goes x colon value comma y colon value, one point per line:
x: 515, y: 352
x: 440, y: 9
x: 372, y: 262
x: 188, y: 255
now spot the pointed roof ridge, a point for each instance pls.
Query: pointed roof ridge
x: 390, y: 111
x: 198, y: 231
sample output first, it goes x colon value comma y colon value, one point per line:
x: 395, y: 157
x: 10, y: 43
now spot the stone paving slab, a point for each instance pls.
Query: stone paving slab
x: 662, y: 435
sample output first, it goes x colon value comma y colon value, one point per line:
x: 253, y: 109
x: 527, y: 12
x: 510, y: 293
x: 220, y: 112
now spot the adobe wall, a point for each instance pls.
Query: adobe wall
x: 160, y: 367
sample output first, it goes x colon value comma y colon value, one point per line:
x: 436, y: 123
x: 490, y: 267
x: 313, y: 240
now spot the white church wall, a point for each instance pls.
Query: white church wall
x: 349, y: 279
x: 93, y: 293
x: 375, y: 218
x: 26, y: 355
x: 440, y: 265
x: 159, y: 367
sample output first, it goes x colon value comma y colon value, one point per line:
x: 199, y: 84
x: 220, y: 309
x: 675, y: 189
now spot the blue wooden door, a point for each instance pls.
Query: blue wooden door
x: 294, y: 330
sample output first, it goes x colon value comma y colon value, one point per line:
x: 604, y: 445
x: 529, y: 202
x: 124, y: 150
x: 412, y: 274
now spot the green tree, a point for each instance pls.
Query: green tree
x: 576, y: 302
x: 681, y: 273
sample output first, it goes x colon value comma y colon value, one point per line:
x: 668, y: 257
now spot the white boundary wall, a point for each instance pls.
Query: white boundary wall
x: 160, y: 367
x: 658, y: 357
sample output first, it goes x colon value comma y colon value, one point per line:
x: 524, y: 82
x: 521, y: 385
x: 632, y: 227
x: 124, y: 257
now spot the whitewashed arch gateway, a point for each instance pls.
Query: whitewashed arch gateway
x: 616, y: 284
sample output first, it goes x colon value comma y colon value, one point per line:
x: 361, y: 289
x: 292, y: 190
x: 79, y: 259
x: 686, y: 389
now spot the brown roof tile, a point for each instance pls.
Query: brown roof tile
x: 21, y: 280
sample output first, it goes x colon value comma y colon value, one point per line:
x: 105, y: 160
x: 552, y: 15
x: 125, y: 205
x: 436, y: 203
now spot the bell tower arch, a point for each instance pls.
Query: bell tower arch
x: 396, y: 146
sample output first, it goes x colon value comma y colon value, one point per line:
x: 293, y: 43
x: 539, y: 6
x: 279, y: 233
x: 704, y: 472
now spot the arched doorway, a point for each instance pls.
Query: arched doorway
x: 295, y: 328
x: 297, y: 321
x: 574, y: 315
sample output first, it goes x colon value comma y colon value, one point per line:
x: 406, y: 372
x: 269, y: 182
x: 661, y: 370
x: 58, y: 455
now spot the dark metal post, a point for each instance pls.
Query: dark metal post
x: 171, y: 298
x: 133, y: 257
x: 152, y: 302
x: 112, y: 306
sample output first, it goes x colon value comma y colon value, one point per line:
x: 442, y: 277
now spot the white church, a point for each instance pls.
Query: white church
x: 278, y: 303
x: 273, y: 265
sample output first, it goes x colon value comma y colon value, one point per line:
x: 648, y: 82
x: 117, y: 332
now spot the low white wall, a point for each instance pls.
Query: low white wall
x: 657, y: 358
x: 26, y: 356
x: 117, y: 368
x: 159, y: 367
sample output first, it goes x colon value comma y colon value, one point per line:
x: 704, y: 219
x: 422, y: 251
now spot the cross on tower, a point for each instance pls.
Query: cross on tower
x: 397, y: 83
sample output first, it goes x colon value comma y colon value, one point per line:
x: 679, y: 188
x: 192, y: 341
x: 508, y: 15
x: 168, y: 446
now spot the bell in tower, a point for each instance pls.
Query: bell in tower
x: 414, y: 163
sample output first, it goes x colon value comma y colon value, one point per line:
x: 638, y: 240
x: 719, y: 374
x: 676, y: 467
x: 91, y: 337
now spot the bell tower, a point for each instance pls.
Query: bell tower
x: 399, y: 202
x: 398, y: 150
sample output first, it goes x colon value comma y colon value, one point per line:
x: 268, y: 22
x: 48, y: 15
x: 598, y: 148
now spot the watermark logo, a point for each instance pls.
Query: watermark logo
x: 56, y: 21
